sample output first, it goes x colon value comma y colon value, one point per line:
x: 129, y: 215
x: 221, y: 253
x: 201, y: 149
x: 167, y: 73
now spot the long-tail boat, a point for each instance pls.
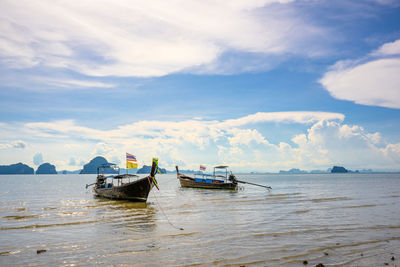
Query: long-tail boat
x: 120, y: 186
x: 215, y: 181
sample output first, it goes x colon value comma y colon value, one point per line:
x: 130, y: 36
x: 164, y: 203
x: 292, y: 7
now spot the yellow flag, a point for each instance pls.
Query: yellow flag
x: 131, y: 165
x: 131, y: 162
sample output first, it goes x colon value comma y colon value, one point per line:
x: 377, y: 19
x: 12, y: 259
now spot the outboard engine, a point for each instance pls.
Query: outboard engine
x: 232, y: 178
x: 101, y: 180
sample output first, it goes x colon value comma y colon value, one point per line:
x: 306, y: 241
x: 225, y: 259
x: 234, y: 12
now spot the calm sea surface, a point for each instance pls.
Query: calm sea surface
x: 334, y: 219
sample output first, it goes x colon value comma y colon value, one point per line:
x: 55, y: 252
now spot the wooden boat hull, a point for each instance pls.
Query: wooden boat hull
x: 136, y: 191
x: 190, y: 182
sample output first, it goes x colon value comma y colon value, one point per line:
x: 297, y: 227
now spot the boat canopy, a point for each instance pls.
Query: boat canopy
x: 123, y: 176
x: 220, y: 175
x: 108, y: 165
x: 221, y: 167
x: 104, y: 166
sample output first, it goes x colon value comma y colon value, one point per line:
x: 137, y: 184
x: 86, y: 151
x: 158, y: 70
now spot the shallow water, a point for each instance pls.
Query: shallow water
x: 334, y: 219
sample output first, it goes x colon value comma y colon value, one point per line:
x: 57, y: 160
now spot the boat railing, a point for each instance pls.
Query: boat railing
x: 119, y: 177
x: 210, y: 176
x: 218, y: 173
x: 203, y: 175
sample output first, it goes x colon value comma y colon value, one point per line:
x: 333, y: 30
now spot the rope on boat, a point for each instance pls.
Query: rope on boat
x: 165, y: 215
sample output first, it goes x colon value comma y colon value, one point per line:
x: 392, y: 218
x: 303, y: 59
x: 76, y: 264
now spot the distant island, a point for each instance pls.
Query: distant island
x: 146, y: 169
x: 18, y: 168
x: 185, y: 171
x: 46, y: 168
x: 294, y: 170
x: 193, y: 172
x: 339, y: 169
x: 91, y: 167
x: 299, y: 171
x: 334, y: 169
x: 69, y: 172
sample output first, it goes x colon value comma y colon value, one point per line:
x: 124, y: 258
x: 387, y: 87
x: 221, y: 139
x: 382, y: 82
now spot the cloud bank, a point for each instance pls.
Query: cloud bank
x: 321, y: 141
x: 13, y: 144
x: 374, y: 81
x: 135, y: 38
x: 38, y: 159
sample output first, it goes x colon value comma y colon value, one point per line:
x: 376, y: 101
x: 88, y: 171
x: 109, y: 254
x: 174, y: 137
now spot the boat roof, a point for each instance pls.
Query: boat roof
x: 108, y: 165
x: 122, y: 176
x: 221, y: 167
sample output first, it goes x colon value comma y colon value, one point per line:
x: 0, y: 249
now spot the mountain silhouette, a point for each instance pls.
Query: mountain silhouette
x: 46, y: 168
x: 91, y: 167
x: 18, y: 168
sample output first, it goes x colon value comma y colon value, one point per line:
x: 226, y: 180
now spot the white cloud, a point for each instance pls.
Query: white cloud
x: 241, y: 143
x: 136, y: 38
x: 38, y: 159
x: 245, y: 137
x: 392, y: 151
x: 374, y: 82
x: 61, y: 129
x: 392, y: 48
x: 71, y: 83
x: 101, y: 149
x: 14, y: 144
x: 329, y: 141
x: 305, y: 117
x: 72, y: 162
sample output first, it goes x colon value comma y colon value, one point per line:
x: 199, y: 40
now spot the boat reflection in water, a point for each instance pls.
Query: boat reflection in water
x: 126, y: 215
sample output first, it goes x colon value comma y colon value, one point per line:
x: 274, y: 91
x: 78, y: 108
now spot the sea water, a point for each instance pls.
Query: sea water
x: 334, y: 219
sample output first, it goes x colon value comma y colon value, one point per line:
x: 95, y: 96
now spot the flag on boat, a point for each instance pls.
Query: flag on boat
x: 131, y: 162
x: 202, y: 168
x: 155, y: 160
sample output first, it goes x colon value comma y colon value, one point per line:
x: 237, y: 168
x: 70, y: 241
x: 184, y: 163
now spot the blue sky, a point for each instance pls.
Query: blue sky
x: 257, y: 85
